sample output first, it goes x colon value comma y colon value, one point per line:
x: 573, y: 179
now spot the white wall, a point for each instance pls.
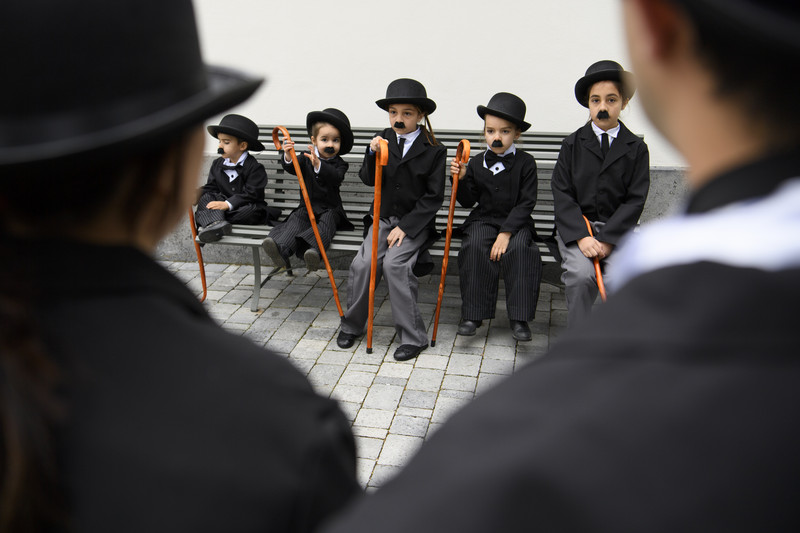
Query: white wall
x: 343, y: 54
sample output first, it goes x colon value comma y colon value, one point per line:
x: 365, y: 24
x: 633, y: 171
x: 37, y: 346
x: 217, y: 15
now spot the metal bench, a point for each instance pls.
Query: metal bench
x: 283, y: 191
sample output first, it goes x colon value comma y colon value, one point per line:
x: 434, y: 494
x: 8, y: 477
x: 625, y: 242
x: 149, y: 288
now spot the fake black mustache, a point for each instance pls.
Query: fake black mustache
x: 220, y: 151
x: 602, y: 114
x: 497, y: 143
x: 400, y: 125
x: 329, y: 150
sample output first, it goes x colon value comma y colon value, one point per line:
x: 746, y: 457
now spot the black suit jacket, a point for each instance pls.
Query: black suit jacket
x: 506, y: 199
x: 247, y: 188
x: 412, y: 189
x: 665, y: 413
x: 323, y: 188
x: 613, y: 190
x: 172, y: 423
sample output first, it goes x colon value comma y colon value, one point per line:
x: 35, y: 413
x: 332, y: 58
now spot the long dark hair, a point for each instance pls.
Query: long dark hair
x: 31, y: 408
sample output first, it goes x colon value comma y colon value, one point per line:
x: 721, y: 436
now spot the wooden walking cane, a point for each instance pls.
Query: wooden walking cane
x: 280, y: 130
x: 600, y: 285
x: 199, y: 252
x: 462, y: 156
x: 381, y: 159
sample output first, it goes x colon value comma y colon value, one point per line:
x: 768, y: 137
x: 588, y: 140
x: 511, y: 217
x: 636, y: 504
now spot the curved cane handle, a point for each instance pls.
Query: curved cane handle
x: 462, y: 152
x: 382, y: 154
x: 280, y: 130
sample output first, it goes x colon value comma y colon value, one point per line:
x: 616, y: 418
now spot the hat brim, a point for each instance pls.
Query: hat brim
x: 426, y: 104
x: 253, y: 144
x: 344, y: 130
x: 521, y: 124
x: 584, y: 84
x: 225, y: 89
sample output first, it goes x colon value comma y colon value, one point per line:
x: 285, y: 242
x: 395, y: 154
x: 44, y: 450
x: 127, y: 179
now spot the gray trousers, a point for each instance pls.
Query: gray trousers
x: 579, y: 278
x: 396, y: 263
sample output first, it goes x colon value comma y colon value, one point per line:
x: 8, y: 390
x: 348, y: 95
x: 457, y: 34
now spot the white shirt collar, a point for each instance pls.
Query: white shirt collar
x: 410, y: 137
x: 612, y: 133
x: 242, y: 157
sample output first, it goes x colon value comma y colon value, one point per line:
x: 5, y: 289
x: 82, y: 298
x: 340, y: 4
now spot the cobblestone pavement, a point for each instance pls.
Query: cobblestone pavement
x: 393, y: 406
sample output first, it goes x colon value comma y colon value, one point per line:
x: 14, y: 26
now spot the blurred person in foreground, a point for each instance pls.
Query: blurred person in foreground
x: 123, y: 405
x: 674, y: 407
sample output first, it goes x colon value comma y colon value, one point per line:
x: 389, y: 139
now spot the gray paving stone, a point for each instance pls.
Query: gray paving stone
x: 413, y: 426
x: 308, y: 349
x: 495, y: 366
x: 398, y: 449
x: 350, y: 393
x: 368, y: 447
x: 395, y: 369
x: 280, y: 346
x: 374, y: 418
x: 461, y: 383
x: 382, y: 474
x: 356, y: 377
x: 382, y: 396
x: 325, y: 375
x: 463, y: 364
x: 430, y: 360
x: 419, y: 399
x: 425, y: 379
x: 364, y: 469
x: 366, y: 431
x: 416, y: 412
x: 445, y: 407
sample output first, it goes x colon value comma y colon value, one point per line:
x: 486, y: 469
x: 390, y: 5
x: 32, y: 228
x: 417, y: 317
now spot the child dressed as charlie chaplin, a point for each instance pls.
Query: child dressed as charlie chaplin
x: 234, y: 192
x: 412, y: 193
x: 323, y: 172
x: 498, y: 233
x: 603, y: 173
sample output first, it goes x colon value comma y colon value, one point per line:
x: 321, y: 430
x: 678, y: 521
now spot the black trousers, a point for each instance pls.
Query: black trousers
x: 244, y: 214
x: 295, y: 234
x: 521, y: 267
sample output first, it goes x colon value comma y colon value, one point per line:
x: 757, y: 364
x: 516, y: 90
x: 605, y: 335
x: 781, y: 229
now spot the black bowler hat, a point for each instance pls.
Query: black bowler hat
x: 99, y: 76
x: 605, y: 70
x: 337, y: 119
x: 506, y: 106
x: 407, y: 91
x: 775, y: 21
x: 240, y: 127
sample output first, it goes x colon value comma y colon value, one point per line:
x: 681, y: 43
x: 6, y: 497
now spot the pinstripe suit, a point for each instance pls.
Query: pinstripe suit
x: 295, y: 235
x: 505, y: 202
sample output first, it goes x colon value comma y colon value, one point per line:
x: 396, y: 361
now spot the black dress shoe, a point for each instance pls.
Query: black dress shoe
x: 408, y: 351
x: 468, y: 327
x: 271, y: 247
x: 346, y: 340
x: 214, y: 231
x: 311, y: 258
x: 520, y: 330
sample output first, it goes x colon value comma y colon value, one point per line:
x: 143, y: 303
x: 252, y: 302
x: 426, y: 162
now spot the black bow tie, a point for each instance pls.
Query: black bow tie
x: 237, y: 168
x: 492, y: 159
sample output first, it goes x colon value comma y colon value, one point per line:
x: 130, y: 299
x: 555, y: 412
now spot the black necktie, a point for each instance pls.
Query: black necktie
x: 492, y: 159
x: 604, y: 144
x: 401, y: 141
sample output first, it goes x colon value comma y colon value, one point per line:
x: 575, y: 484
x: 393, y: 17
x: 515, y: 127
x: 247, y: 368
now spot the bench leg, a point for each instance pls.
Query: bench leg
x: 256, y: 280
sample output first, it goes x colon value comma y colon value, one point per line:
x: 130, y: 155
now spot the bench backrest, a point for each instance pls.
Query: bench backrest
x: 283, y: 189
